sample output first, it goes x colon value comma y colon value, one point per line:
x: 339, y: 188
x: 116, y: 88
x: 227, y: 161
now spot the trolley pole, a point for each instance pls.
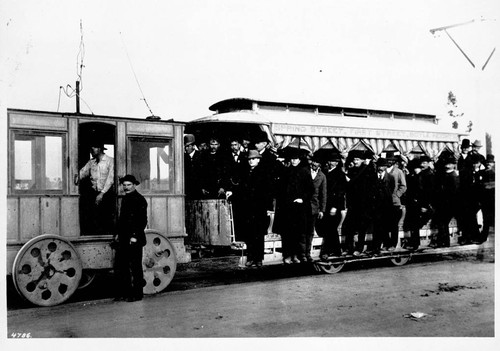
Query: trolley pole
x: 77, y: 97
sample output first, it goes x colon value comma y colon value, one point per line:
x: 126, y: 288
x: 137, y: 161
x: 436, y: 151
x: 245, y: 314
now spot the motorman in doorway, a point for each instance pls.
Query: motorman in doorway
x: 97, y: 202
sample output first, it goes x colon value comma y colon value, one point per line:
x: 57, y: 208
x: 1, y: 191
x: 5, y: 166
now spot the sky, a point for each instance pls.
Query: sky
x: 183, y: 56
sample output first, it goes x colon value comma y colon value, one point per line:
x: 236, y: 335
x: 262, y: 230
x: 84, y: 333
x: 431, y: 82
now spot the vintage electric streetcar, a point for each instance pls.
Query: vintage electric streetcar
x: 50, y: 251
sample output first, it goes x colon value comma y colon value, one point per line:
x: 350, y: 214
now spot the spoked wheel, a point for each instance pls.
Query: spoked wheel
x: 47, y: 270
x: 88, y: 276
x: 401, y: 260
x: 159, y: 263
x: 330, y: 268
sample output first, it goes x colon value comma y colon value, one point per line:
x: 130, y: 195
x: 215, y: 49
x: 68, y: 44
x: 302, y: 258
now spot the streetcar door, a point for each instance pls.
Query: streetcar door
x: 96, y: 219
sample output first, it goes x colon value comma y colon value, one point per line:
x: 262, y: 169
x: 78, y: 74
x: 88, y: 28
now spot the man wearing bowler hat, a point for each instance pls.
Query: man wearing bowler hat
x: 131, y: 239
x: 336, y: 184
x: 98, y: 202
x: 360, y: 198
x: 463, y: 159
x: 192, y: 168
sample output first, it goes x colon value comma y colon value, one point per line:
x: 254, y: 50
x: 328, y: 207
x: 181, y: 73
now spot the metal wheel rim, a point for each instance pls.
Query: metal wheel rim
x: 399, y: 261
x: 331, y: 268
x: 159, y: 263
x: 47, y: 270
x: 88, y: 276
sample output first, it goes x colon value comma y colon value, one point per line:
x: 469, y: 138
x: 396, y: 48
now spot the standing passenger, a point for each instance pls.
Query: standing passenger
x: 446, y: 204
x: 464, y: 158
x: 336, y: 184
x: 131, y: 239
x: 470, y: 190
x: 420, y: 194
x: 488, y: 197
x: 214, y: 182
x: 293, y: 207
x: 252, y: 195
x: 360, y: 201
x: 192, y: 168
x: 382, y: 214
x: 237, y: 167
x: 318, y: 207
x: 396, y: 210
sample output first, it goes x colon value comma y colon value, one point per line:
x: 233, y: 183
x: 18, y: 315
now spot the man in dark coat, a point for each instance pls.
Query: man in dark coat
x: 382, y: 214
x: 360, y: 201
x: 253, y: 198
x: 131, y: 239
x: 446, y: 201
x: 419, y: 198
x: 293, y: 207
x: 192, y: 168
x: 215, y: 180
x: 488, y: 197
x: 336, y: 185
x: 464, y: 159
x: 318, y: 207
x: 470, y: 190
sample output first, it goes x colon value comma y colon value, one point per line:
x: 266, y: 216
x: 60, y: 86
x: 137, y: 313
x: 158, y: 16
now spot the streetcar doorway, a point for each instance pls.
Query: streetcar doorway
x: 97, y: 184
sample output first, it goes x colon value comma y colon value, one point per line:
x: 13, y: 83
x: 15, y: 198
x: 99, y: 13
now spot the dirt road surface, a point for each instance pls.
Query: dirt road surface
x: 456, y: 298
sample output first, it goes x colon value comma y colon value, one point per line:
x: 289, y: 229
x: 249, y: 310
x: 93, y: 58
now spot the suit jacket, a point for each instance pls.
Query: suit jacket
x: 192, y: 175
x: 336, y: 185
x: 360, y: 195
x: 384, y: 192
x: 318, y: 199
x: 133, y: 218
x: 400, y: 187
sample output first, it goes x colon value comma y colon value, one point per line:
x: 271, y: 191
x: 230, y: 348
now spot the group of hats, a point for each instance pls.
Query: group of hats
x: 466, y: 144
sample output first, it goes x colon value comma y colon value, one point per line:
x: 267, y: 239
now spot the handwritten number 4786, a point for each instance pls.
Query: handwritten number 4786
x: 20, y: 335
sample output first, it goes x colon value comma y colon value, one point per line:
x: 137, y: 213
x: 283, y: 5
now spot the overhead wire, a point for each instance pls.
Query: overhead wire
x: 135, y: 75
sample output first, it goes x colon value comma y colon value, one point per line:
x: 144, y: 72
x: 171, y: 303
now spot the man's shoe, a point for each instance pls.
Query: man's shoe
x: 295, y: 259
x: 249, y: 263
x: 258, y: 264
x: 356, y: 253
x: 392, y: 248
x: 287, y: 260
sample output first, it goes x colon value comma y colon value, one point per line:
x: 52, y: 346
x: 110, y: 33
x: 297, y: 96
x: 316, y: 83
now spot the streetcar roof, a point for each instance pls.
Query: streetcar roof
x: 273, y: 114
x: 84, y: 115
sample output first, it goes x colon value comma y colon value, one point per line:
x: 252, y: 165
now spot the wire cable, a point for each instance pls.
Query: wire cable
x: 135, y: 75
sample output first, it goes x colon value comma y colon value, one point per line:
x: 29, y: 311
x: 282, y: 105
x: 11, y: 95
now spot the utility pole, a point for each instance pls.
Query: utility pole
x: 77, y: 90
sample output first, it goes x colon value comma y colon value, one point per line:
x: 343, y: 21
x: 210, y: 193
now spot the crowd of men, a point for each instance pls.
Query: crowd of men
x: 329, y: 195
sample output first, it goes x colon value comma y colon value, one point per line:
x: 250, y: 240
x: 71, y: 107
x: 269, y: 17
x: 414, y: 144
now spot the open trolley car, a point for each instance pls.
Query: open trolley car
x: 319, y: 128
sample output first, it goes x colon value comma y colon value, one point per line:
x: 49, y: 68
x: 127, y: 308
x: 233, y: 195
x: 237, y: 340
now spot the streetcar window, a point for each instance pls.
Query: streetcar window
x: 38, y: 163
x: 151, y: 162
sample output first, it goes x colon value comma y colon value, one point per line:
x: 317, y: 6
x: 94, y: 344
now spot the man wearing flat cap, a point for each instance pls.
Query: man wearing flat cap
x: 252, y: 196
x: 98, y: 205
x: 131, y: 239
